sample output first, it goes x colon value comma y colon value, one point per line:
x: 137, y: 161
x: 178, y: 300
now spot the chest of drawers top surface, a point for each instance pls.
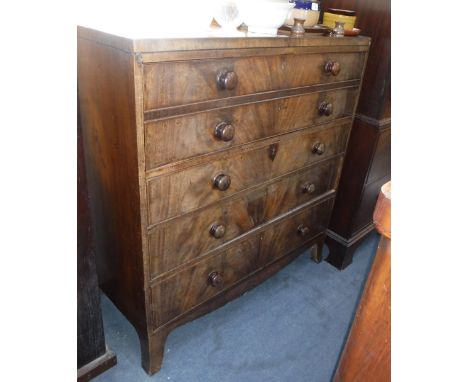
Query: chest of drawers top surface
x: 212, y: 162
x: 135, y: 42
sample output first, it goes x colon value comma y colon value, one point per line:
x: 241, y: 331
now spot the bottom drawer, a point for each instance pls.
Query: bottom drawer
x: 190, y: 287
x: 195, y: 284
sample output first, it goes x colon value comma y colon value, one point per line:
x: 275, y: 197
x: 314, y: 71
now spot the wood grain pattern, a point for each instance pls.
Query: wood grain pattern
x: 107, y: 105
x: 93, y: 357
x: 187, y: 237
x: 190, y: 287
x: 191, y: 108
x: 183, y: 137
x: 193, y: 188
x: 160, y: 259
x: 381, y: 165
x: 129, y: 41
x: 152, y: 346
x: 167, y: 56
x: 149, y: 46
x: 175, y: 83
x: 357, y: 192
x: 366, y: 355
x: 374, y: 19
x: 283, y: 237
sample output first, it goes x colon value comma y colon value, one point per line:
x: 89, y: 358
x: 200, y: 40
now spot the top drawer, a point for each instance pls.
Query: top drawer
x: 184, y: 82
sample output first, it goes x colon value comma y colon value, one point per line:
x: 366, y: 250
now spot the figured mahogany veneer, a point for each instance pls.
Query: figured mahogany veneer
x: 193, y: 285
x: 213, y: 163
x: 198, y: 186
x: 182, y: 137
x: 189, y: 236
x: 176, y: 83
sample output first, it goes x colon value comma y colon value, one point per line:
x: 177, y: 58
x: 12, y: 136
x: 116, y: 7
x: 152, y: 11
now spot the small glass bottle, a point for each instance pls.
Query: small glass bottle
x: 338, y: 31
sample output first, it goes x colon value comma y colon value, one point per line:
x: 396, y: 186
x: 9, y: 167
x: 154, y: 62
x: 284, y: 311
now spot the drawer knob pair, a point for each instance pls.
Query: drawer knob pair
x: 224, y: 131
x: 325, y: 108
x: 222, y: 182
x: 227, y: 80
x: 303, y: 230
x: 215, y: 279
x: 332, y: 67
x: 318, y: 148
x: 308, y: 188
x: 217, y: 230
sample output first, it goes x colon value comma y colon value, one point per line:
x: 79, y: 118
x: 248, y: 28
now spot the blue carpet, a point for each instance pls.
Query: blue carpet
x: 290, y: 328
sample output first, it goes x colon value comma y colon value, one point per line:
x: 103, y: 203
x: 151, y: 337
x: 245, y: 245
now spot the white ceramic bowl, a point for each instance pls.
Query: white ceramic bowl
x: 264, y: 16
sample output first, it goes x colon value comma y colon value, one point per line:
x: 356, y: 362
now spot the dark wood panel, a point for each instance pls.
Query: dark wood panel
x: 182, y: 192
x: 185, y: 238
x: 374, y: 18
x: 368, y: 152
x: 367, y: 203
x: 359, y: 155
x: 107, y: 101
x: 97, y: 366
x: 91, y: 344
x: 176, y: 83
x: 381, y: 161
x: 187, y: 136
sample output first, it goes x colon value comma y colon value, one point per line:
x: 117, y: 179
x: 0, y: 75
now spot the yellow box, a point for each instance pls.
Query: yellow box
x: 330, y: 18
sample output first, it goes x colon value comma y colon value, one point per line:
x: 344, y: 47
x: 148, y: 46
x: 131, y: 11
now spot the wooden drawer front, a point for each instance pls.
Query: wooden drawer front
x: 286, y: 236
x: 381, y: 161
x: 185, y: 238
x: 181, y: 192
x: 187, y: 136
x: 176, y: 83
x: 190, y: 287
x: 188, y: 237
x: 292, y: 191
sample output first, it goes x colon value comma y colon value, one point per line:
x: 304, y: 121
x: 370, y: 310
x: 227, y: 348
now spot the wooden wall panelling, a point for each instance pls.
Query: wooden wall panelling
x: 367, y: 161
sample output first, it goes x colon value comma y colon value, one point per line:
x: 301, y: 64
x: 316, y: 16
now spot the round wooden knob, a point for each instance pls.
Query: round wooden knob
x: 217, y: 230
x: 332, y: 67
x: 227, y: 80
x: 308, y: 188
x: 224, y: 131
x: 318, y: 148
x: 325, y: 108
x: 215, y: 279
x: 303, y: 230
x: 222, y: 182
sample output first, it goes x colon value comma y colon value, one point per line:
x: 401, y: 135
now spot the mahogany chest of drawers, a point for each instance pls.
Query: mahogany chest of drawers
x: 212, y: 163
